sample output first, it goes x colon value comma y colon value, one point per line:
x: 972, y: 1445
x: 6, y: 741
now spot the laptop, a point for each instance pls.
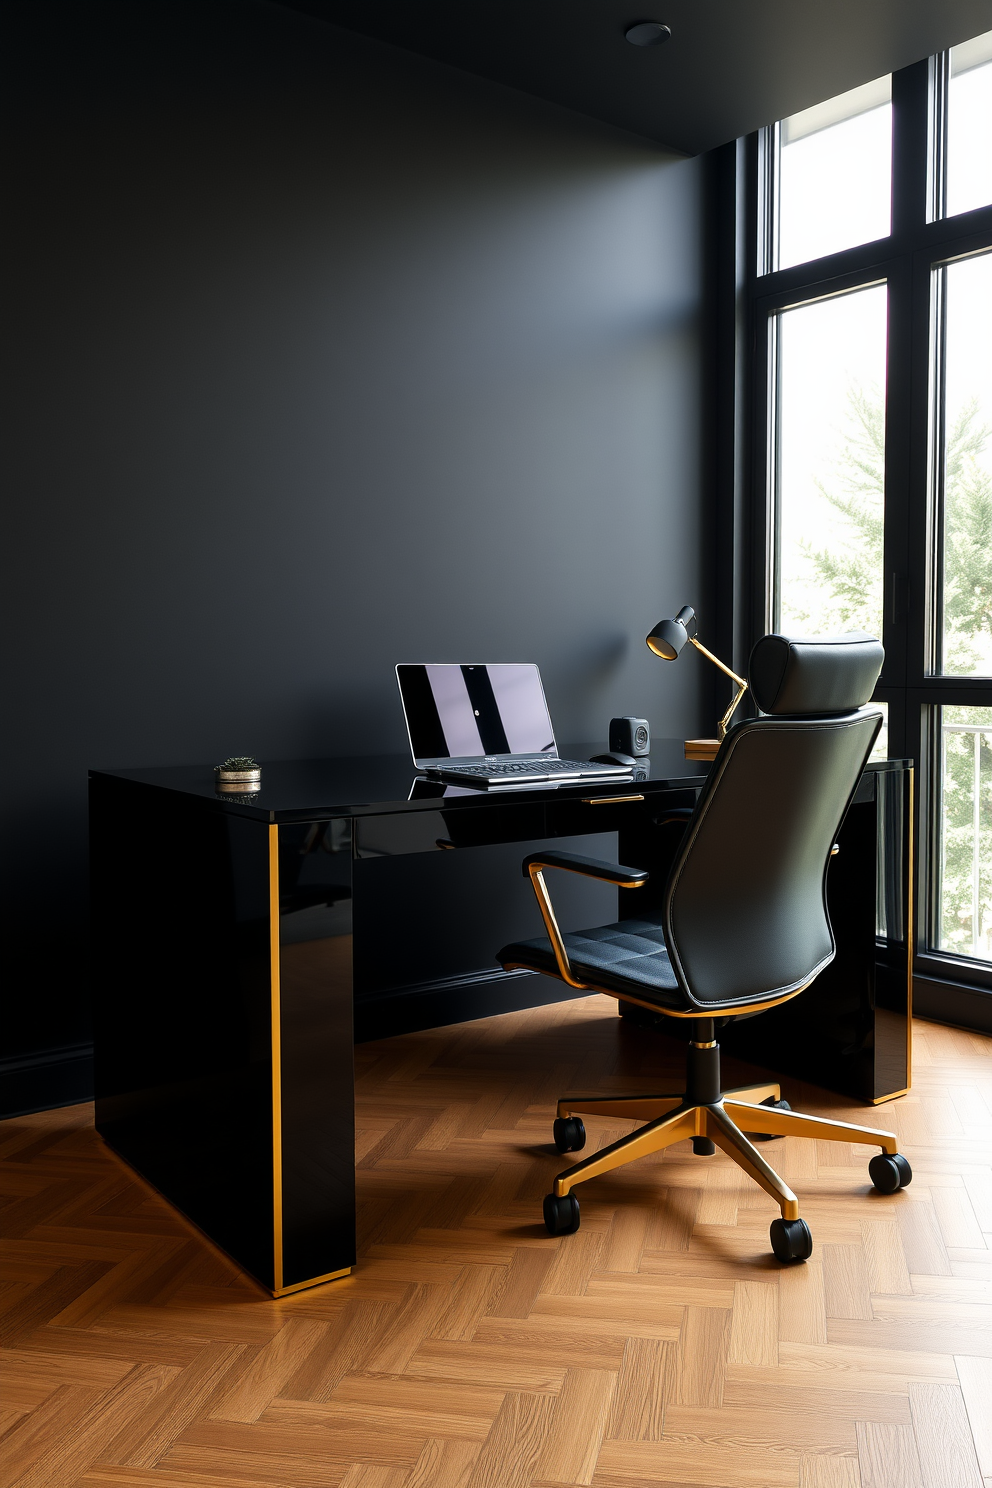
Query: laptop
x: 488, y: 725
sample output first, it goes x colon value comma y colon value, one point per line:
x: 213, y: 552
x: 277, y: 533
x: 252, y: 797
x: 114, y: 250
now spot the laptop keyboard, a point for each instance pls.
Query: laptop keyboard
x: 525, y: 767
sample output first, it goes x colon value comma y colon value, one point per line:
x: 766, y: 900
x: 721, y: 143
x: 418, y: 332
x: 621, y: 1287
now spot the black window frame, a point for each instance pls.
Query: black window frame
x: 745, y: 303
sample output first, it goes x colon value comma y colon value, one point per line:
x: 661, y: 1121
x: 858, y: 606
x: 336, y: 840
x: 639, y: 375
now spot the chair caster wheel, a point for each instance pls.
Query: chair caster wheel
x: 889, y: 1173
x: 791, y: 1239
x: 569, y: 1134
x: 561, y: 1216
x: 776, y: 1105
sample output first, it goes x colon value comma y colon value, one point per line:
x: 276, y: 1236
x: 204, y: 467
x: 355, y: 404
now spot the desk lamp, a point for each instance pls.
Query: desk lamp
x: 666, y: 641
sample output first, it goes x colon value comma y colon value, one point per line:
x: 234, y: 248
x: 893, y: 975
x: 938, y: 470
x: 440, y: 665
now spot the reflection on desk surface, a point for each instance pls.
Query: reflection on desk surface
x: 304, y: 790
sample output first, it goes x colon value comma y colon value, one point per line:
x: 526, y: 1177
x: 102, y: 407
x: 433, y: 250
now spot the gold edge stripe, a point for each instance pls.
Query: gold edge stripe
x: 608, y: 800
x: 880, y: 1100
x: 910, y: 934
x: 298, y: 1286
x: 276, y: 1013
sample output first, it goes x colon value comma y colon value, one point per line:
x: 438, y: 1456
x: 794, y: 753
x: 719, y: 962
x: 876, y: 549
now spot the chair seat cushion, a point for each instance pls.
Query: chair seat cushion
x: 629, y: 959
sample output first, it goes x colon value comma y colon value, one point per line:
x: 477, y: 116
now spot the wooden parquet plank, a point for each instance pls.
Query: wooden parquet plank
x: 246, y: 1395
x: 443, y: 1464
x: 213, y: 1467
x: 701, y: 1357
x: 574, y: 1436
x: 802, y: 1303
x: 944, y: 1442
x: 142, y: 1441
x: 693, y: 1460
x: 975, y: 1376
x: 755, y: 1390
x: 885, y: 1258
x: 512, y: 1363
x: 420, y: 1412
x: 845, y: 1278
x: 112, y: 1475
x: 887, y: 1456
x: 511, y: 1450
x: 637, y: 1411
x: 766, y: 1425
x: 48, y: 1299
x: 341, y: 1438
x: 662, y: 1345
x: 96, y: 1418
x: 754, y: 1323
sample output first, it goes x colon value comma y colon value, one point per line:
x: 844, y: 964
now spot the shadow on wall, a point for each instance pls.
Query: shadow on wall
x: 325, y: 356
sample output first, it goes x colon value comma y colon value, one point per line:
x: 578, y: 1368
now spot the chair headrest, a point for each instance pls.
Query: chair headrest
x: 814, y: 674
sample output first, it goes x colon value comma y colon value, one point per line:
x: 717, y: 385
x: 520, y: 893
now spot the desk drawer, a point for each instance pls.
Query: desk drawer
x: 397, y: 833
x: 624, y: 808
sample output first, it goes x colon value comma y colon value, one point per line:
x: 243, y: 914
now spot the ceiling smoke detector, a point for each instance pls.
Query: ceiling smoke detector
x: 647, y: 33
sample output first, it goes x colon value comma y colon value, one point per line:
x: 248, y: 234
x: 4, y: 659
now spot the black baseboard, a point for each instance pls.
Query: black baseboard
x: 456, y: 1000
x: 950, y: 1002
x: 64, y: 1076
x: 49, y: 1078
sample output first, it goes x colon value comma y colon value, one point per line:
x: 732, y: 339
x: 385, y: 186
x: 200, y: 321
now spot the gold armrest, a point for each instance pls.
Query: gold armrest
x: 534, y: 867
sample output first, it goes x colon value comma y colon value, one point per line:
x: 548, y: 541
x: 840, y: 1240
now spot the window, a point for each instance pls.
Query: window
x: 865, y: 467
x: 963, y: 920
x: 834, y: 167
x: 969, y: 126
x: 963, y: 464
x: 830, y: 459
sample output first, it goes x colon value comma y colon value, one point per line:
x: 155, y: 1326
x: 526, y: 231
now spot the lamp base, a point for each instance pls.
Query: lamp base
x: 701, y: 749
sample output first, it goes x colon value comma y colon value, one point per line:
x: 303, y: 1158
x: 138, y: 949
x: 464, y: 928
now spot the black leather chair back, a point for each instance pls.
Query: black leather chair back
x: 745, y: 906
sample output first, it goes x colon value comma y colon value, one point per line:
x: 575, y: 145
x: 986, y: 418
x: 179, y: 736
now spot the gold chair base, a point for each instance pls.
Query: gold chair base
x: 669, y: 1120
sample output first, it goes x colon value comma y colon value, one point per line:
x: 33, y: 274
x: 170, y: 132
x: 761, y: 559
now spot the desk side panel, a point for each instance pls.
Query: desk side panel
x: 181, y: 1003
x: 850, y: 1031
x: 316, y: 1092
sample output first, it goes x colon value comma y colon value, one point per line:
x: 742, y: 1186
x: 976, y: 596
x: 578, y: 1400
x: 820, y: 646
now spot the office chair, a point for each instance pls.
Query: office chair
x: 743, y: 925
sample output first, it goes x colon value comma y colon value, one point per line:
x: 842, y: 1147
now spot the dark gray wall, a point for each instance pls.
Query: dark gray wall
x: 324, y: 356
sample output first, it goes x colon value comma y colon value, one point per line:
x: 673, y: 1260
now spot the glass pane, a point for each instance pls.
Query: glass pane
x: 964, y: 902
x: 831, y: 465
x: 966, y: 463
x: 969, y: 126
x: 834, y: 174
x: 880, y: 750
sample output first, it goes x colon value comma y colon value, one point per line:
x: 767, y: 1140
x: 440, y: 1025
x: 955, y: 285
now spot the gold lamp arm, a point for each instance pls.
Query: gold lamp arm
x: 721, y: 728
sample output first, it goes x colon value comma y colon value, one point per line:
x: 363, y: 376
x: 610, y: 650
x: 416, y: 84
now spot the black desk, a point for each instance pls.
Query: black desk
x: 239, y: 946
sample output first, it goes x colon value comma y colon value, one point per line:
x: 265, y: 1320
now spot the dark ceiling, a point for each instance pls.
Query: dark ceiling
x: 730, y: 66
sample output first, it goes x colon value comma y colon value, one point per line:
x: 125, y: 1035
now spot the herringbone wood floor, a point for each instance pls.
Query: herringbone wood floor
x: 662, y: 1344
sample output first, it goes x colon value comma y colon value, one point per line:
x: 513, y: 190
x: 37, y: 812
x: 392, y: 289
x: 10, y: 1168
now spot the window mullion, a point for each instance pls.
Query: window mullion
x: 911, y: 176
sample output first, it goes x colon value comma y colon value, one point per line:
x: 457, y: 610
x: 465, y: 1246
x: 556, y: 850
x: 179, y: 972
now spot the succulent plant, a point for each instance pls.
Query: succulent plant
x: 239, y: 762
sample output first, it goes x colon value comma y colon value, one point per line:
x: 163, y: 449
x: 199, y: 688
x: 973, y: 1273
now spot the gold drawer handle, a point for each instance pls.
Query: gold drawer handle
x: 608, y: 800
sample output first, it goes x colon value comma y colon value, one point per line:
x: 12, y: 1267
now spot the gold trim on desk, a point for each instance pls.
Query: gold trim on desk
x: 299, y: 1286
x: 910, y: 929
x: 608, y: 800
x: 276, y: 1048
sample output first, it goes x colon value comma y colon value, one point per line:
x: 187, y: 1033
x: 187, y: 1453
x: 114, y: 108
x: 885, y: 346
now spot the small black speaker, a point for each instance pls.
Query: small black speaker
x: 630, y: 736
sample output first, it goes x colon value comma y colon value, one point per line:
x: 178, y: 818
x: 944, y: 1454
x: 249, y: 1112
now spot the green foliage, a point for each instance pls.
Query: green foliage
x: 239, y: 762
x: 959, y: 812
x: 848, y: 582
x: 967, y: 543
x: 851, y: 572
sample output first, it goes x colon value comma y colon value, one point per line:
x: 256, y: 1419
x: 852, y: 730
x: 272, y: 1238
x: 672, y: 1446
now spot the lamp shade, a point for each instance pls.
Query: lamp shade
x: 669, y: 636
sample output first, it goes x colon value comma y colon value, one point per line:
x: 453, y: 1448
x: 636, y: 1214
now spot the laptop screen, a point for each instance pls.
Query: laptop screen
x: 459, y: 711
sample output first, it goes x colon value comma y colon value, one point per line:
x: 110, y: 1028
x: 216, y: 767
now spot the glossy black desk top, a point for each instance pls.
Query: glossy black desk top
x: 301, y: 790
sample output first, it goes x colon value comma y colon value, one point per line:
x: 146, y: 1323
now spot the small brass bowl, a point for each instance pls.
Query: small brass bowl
x: 237, y: 780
